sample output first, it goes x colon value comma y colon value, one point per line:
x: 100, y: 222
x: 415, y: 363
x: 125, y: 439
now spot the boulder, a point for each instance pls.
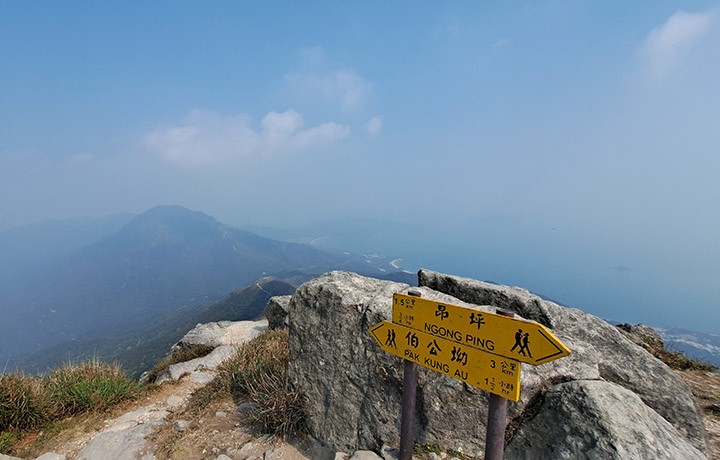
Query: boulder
x: 222, y: 333
x: 353, y: 388
x: 276, y: 311
x: 596, y: 419
x: 7, y: 457
x: 600, y: 351
x: 221, y: 337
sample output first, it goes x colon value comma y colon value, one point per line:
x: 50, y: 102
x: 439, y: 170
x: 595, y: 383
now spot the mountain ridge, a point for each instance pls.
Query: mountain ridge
x: 166, y: 259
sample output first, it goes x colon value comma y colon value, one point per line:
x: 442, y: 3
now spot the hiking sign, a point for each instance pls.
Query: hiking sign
x: 491, y: 373
x: 512, y: 338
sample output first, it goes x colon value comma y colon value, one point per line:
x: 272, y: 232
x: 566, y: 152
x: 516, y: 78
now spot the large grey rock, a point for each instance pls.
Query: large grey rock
x: 223, y: 333
x: 599, y: 350
x: 206, y: 363
x: 224, y: 336
x: 353, y: 388
x: 276, y: 311
x: 587, y: 419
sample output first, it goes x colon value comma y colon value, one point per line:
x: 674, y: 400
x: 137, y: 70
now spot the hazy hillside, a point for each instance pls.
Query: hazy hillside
x: 138, y: 346
x: 165, y: 260
x: 26, y: 250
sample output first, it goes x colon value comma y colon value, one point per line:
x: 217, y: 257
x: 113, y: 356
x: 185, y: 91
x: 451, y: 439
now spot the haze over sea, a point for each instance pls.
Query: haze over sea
x: 567, y: 147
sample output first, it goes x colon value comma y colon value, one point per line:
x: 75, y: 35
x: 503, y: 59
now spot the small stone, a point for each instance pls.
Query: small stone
x: 248, y: 407
x: 181, y: 425
x: 174, y: 402
x: 245, y: 450
x: 215, y: 450
x: 220, y: 414
x: 365, y: 455
x: 223, y: 457
x: 342, y: 456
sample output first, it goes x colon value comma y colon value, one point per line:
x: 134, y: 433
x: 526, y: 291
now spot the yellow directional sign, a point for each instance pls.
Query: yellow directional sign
x: 513, y: 338
x: 492, y: 373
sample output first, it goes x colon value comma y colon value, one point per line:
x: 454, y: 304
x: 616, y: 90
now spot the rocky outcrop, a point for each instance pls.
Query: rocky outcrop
x: 353, y: 388
x: 600, y: 351
x: 276, y: 311
x: 597, y: 419
x: 223, y: 337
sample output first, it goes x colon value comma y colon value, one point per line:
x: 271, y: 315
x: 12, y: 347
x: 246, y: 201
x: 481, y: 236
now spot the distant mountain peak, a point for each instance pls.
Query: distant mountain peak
x: 170, y: 213
x: 170, y: 222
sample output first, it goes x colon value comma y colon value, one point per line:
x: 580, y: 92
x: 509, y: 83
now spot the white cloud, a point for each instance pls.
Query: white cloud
x: 205, y: 138
x: 665, y: 44
x: 374, y: 126
x: 344, y: 87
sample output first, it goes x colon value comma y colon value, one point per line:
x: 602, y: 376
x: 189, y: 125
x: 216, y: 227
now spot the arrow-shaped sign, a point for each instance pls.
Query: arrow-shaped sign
x: 513, y: 338
x: 492, y: 373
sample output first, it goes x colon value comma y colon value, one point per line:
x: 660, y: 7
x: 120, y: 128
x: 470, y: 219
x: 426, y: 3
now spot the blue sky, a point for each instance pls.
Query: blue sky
x: 570, y: 147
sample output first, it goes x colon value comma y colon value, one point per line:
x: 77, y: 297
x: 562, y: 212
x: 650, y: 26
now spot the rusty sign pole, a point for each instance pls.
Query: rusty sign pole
x: 407, y: 418
x: 497, y: 419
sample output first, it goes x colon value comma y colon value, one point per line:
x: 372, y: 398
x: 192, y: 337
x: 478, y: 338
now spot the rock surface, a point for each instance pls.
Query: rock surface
x: 7, y: 457
x: 353, y: 388
x: 596, y: 419
x: 276, y: 311
x: 124, y: 438
x: 600, y: 351
x: 223, y: 333
x: 225, y: 336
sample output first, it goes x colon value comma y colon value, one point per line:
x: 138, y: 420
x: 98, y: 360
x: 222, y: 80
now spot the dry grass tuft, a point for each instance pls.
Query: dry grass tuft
x: 179, y: 355
x: 30, y: 402
x: 88, y: 386
x: 23, y: 402
x: 258, y: 372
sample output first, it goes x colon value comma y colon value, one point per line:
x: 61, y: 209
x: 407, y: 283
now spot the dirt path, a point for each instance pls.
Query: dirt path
x: 161, y: 425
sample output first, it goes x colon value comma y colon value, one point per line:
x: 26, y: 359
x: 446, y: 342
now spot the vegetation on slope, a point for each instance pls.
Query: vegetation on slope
x: 651, y: 340
x: 258, y: 373
x: 31, y: 402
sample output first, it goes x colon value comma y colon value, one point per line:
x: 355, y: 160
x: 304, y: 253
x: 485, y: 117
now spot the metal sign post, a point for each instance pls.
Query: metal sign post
x: 407, y: 417
x: 497, y: 420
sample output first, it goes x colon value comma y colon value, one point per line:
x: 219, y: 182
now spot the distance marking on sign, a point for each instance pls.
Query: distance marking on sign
x: 513, y: 338
x: 474, y: 367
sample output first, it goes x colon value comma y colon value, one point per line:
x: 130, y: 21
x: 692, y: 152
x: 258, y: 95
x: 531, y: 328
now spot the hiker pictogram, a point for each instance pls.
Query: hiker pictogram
x: 526, y: 345
x: 523, y: 342
x: 518, y: 340
x: 390, y: 341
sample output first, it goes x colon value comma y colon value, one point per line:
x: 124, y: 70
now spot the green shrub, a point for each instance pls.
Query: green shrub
x: 22, y: 402
x: 87, y: 386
